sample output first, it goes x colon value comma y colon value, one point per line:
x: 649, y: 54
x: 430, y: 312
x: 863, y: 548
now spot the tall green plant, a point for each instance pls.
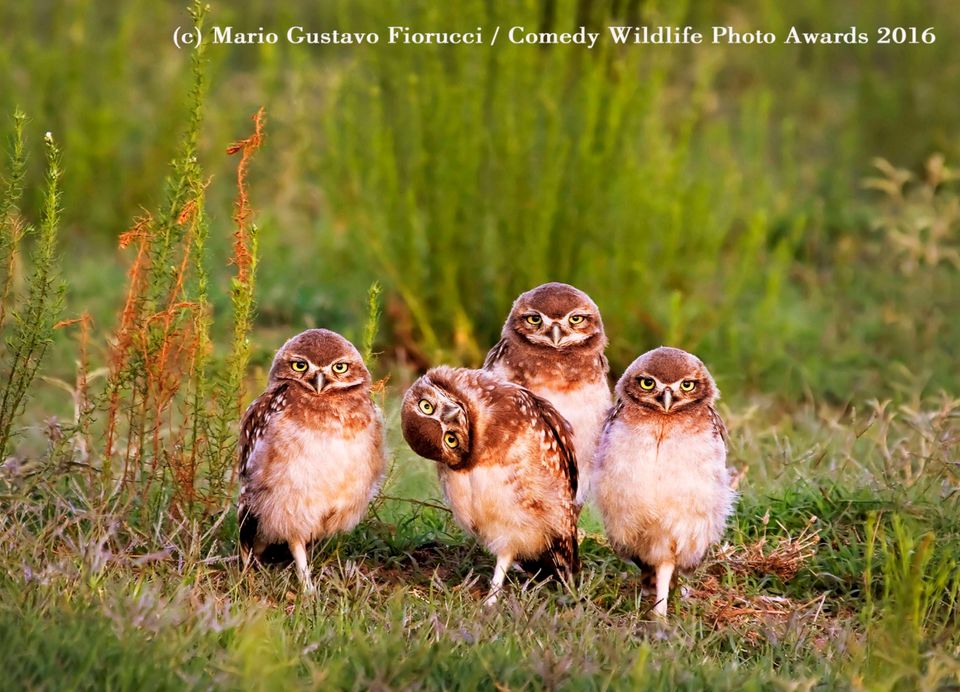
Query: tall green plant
x: 372, y: 323
x: 35, y: 320
x: 11, y: 227
x: 912, y: 588
x: 230, y: 387
x: 473, y: 175
x: 159, y: 386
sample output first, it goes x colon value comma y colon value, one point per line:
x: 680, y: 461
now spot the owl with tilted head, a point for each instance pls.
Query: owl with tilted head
x: 661, y: 480
x: 506, y: 465
x: 553, y: 344
x: 311, y: 450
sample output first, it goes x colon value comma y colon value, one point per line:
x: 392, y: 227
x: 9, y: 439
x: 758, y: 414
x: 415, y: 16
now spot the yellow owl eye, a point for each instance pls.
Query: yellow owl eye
x: 340, y: 368
x: 577, y: 319
x: 451, y: 441
x: 647, y: 383
x: 688, y: 386
x: 534, y: 320
x: 299, y: 365
x: 425, y: 406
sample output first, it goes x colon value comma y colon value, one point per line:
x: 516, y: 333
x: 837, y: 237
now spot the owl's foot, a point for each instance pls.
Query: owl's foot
x: 299, y: 551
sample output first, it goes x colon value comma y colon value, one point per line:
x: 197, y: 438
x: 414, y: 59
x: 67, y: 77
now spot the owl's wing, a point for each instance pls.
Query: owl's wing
x: 565, y: 459
x: 252, y: 427
x: 561, y: 556
x: 604, y: 364
x: 495, y: 355
x: 612, y: 415
x: 719, y: 428
x: 254, y: 423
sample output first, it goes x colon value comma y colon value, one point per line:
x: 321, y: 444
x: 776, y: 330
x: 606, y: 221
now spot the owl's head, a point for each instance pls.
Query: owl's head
x: 436, y: 420
x: 321, y: 361
x: 667, y: 380
x: 556, y: 316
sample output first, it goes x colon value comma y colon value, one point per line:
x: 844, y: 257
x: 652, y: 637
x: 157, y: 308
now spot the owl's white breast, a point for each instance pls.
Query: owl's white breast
x: 308, y: 484
x: 585, y: 408
x: 664, y: 492
x: 488, y: 501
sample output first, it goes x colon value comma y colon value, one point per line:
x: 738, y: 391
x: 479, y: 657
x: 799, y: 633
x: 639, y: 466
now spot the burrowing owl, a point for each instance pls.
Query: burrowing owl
x: 312, y: 451
x: 553, y: 344
x: 506, y: 465
x: 661, y: 480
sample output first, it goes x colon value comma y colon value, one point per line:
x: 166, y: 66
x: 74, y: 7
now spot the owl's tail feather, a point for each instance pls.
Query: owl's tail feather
x: 648, y: 574
x: 273, y: 554
x: 276, y: 554
x: 561, y: 559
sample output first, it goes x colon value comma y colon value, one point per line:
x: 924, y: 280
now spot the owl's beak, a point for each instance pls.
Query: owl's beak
x: 667, y: 398
x: 449, y: 413
x: 555, y: 334
x: 319, y: 382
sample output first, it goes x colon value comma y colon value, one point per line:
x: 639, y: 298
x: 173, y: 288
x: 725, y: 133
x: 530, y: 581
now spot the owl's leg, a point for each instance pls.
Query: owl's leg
x: 499, y: 574
x: 648, y: 576
x: 299, y: 551
x: 246, y: 556
x: 664, y: 574
x: 249, y: 552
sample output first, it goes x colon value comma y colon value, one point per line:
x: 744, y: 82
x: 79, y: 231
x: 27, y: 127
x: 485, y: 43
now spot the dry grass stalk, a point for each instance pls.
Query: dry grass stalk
x: 728, y: 608
x: 242, y: 255
x: 133, y: 304
x: 783, y: 559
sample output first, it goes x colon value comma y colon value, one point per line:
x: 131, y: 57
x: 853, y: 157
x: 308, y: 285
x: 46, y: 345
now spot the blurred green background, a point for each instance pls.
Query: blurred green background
x: 724, y: 199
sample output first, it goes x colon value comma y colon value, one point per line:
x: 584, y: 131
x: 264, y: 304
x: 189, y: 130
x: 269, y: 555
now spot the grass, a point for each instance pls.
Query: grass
x: 801, y: 240
x: 870, y: 600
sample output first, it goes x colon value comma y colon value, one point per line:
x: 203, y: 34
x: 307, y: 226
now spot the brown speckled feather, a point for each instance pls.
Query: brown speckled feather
x: 561, y: 557
x: 255, y: 422
x: 565, y: 459
x: 614, y: 413
x: 252, y: 427
x: 496, y: 354
x: 719, y: 426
